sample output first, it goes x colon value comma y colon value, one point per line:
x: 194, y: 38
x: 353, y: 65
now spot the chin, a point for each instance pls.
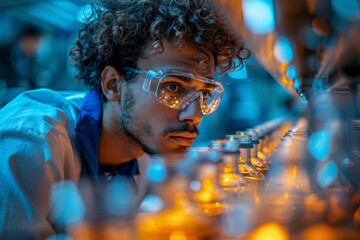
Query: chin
x: 180, y: 151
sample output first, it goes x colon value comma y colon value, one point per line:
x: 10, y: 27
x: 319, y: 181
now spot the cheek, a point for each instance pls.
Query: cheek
x: 149, y: 108
x: 149, y: 113
x: 155, y: 116
x: 145, y: 108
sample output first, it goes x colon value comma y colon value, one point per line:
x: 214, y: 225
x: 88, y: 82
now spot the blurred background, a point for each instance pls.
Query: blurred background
x: 35, y: 39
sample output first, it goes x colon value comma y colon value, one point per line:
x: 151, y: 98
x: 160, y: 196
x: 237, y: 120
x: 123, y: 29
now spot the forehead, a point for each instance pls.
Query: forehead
x: 187, y: 80
x: 189, y: 59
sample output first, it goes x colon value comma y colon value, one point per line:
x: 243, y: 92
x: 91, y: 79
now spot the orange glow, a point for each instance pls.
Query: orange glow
x: 174, y: 224
x: 293, y: 172
x: 283, y: 67
x: 357, y: 217
x: 284, y: 81
x: 178, y: 235
x: 270, y: 231
x: 321, y: 231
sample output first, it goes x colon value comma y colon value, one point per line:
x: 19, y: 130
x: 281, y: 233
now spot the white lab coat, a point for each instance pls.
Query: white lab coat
x: 37, y: 149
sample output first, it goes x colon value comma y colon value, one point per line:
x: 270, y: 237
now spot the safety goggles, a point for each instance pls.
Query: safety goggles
x: 177, y: 89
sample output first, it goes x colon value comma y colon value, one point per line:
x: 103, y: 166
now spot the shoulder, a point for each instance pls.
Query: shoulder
x: 38, y: 127
x: 40, y: 111
x: 37, y: 130
x: 38, y: 148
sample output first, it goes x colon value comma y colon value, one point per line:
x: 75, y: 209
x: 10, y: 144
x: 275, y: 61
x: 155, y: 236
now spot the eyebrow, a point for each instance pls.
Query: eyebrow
x: 189, y: 80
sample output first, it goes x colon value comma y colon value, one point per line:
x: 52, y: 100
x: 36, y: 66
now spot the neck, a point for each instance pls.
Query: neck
x: 115, y: 146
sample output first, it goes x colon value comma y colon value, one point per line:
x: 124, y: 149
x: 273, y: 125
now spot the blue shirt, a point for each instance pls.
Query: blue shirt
x: 88, y: 131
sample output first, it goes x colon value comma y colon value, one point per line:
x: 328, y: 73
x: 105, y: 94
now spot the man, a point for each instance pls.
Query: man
x: 19, y: 64
x: 150, y: 65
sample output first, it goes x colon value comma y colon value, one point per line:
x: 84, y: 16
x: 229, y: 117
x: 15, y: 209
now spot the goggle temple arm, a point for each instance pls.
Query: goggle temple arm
x: 150, y: 75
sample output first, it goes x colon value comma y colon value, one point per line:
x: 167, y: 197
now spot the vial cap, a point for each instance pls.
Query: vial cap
x: 245, y: 140
x: 225, y: 145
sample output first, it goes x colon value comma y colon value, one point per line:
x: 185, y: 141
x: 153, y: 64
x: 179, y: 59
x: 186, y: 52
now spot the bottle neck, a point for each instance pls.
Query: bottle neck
x: 262, y: 144
x: 255, y: 150
x: 245, y: 154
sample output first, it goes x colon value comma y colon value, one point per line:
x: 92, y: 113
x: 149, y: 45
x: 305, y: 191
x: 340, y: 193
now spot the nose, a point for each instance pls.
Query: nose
x: 192, y: 113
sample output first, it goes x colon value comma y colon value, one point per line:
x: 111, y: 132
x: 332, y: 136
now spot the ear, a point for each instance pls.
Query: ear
x: 111, y: 83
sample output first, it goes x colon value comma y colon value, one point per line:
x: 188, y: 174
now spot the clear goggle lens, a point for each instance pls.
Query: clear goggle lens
x: 178, y: 90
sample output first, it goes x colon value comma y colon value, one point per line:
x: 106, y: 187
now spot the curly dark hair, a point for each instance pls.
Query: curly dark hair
x: 118, y: 32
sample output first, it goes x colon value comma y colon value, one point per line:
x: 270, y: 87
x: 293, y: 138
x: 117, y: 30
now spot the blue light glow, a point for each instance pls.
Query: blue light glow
x: 259, y: 16
x: 283, y: 50
x: 119, y: 196
x: 198, y: 154
x: 67, y: 203
x: 85, y: 13
x: 296, y: 83
x: 238, y: 220
x: 346, y: 162
x: 249, y: 108
x: 239, y: 74
x: 195, y: 185
x: 59, y: 237
x: 327, y: 174
x: 291, y: 72
x: 319, y: 145
x: 157, y: 170
x: 349, y: 9
x: 151, y: 203
x: 51, y: 12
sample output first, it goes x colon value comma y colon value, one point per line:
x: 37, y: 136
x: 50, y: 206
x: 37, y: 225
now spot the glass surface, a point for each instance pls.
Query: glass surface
x: 179, y: 217
x: 177, y: 89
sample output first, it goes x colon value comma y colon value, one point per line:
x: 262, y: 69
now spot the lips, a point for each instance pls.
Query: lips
x: 184, y: 139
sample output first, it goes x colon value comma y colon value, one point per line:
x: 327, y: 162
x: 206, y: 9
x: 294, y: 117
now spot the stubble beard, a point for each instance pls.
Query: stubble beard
x: 126, y: 119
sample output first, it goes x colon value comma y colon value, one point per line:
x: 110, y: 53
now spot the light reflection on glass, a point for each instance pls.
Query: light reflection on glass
x: 119, y: 196
x: 151, y: 203
x: 283, y: 50
x: 259, y: 16
x: 156, y: 171
x: 319, y: 145
x: 291, y: 72
x: 68, y: 206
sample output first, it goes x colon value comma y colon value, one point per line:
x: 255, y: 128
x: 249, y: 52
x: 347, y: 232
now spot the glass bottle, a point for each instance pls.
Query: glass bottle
x: 262, y: 149
x: 238, y: 217
x: 334, y: 173
x: 337, y: 170
x: 109, y: 206
x: 230, y: 180
x: 245, y: 167
x: 264, y: 141
x: 255, y: 160
x: 176, y: 217
x: 351, y: 165
x: 205, y: 190
x: 355, y: 150
x: 244, y: 161
x: 290, y: 197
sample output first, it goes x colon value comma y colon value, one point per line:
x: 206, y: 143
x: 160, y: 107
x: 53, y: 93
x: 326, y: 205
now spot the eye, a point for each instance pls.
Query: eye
x: 173, y: 87
x: 205, y: 93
